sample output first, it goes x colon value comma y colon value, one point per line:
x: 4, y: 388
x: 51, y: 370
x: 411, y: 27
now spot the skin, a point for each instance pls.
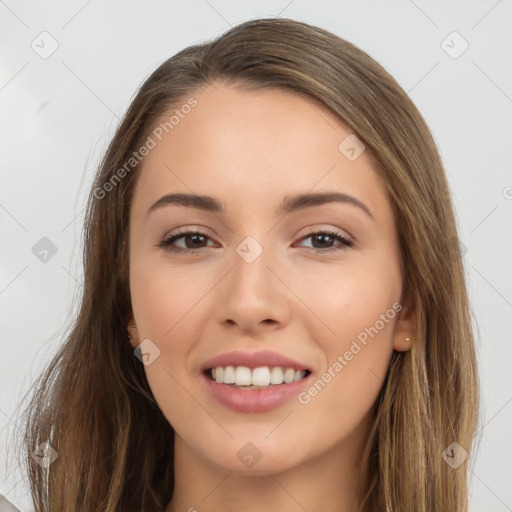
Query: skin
x: 250, y: 150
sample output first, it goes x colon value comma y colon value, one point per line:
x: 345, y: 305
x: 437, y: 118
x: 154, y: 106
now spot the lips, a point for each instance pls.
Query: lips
x: 250, y: 398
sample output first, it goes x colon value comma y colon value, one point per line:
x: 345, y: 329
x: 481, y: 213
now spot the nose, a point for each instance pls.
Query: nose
x: 253, y: 295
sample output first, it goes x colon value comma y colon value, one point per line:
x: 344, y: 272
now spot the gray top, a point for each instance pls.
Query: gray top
x: 6, y: 505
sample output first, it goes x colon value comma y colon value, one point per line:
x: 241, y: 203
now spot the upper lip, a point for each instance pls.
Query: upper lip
x: 253, y: 360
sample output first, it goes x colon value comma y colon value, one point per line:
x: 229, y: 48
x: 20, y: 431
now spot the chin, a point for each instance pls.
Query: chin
x: 260, y: 468
x: 255, y: 459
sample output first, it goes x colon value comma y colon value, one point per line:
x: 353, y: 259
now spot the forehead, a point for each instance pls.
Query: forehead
x: 254, y: 147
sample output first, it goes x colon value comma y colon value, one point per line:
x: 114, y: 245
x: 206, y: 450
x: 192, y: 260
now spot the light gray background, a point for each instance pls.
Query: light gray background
x: 59, y: 113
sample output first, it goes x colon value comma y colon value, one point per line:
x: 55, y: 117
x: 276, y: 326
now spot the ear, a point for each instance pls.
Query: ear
x: 403, y: 337
x: 131, y: 328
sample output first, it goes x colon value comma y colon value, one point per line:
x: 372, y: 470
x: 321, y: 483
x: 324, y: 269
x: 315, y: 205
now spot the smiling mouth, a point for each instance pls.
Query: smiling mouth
x: 263, y: 377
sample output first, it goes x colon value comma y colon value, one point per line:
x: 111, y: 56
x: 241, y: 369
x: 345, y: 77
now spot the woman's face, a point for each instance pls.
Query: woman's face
x: 311, y: 280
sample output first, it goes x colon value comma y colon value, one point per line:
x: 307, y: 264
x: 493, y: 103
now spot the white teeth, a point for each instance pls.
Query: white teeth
x: 229, y: 375
x: 289, y: 374
x: 242, y: 376
x: 277, y: 376
x: 262, y: 376
x: 299, y: 374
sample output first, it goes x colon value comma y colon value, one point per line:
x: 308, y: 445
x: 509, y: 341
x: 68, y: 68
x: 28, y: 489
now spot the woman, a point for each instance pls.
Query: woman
x: 272, y: 226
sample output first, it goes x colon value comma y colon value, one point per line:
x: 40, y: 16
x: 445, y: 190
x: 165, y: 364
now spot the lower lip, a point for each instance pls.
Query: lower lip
x: 254, y: 400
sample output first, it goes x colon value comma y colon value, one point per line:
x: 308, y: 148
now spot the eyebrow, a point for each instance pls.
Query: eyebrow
x: 288, y: 205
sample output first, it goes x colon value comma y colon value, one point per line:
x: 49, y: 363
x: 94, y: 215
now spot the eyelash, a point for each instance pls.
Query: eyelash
x: 166, y: 243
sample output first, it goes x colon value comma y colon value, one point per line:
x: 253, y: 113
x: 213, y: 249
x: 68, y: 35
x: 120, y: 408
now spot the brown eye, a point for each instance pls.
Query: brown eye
x: 322, y: 241
x: 194, y: 241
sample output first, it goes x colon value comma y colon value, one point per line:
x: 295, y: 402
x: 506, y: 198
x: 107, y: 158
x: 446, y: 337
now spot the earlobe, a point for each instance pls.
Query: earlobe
x: 405, y: 326
x: 402, y: 344
x: 132, y: 332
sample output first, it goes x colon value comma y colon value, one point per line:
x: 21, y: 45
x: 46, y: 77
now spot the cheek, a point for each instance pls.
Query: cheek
x: 350, y: 301
x: 358, y: 307
x: 169, y: 307
x: 164, y: 299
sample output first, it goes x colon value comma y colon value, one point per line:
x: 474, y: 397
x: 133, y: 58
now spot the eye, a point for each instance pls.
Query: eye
x: 196, y: 238
x: 326, y: 237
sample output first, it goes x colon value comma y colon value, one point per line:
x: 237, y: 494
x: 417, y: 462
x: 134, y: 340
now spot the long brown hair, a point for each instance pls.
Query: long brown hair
x: 93, y: 402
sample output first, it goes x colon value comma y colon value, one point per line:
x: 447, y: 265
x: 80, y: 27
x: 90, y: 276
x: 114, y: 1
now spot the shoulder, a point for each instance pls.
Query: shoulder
x: 6, y: 505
